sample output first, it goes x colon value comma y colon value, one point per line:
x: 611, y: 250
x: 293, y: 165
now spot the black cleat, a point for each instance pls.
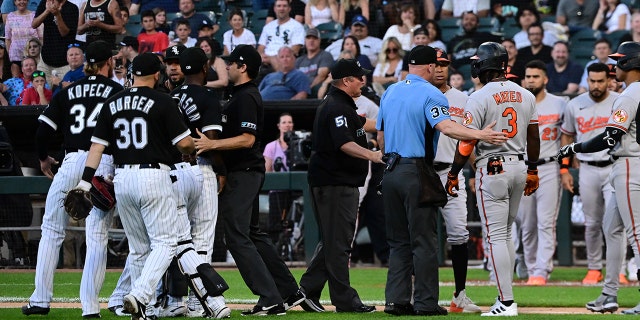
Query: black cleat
x: 437, y: 311
x: 360, y: 309
x: 92, y: 316
x: 397, y: 309
x: 135, y: 308
x: 29, y: 310
x: 311, y: 305
x: 258, y: 310
x: 294, y: 300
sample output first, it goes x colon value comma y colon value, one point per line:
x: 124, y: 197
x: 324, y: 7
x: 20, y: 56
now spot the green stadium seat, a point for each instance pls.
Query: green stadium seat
x: 329, y: 32
x: 173, y: 16
x: 510, y: 27
x: 614, y: 38
x: 135, y: 19
x: 450, y: 28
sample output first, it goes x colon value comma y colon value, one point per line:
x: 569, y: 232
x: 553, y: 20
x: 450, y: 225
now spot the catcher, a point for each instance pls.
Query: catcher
x: 73, y: 111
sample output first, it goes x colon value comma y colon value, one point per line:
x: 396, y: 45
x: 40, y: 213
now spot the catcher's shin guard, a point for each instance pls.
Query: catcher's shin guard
x: 177, y: 282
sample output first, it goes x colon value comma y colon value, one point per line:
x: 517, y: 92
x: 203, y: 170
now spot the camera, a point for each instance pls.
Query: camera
x: 299, y: 150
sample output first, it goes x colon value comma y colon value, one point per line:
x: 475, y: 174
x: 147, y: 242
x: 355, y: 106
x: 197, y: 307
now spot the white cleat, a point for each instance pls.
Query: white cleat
x: 463, y: 304
x: 500, y: 310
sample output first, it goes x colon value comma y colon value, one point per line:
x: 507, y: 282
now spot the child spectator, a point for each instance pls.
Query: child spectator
x: 161, y: 21
x: 456, y: 80
x: 183, y: 30
x: 151, y: 40
x: 37, y: 94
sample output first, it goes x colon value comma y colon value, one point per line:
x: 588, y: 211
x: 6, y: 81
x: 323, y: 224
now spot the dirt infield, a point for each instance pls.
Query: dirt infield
x: 521, y: 310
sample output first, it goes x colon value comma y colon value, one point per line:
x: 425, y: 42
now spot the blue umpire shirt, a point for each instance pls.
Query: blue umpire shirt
x: 403, y: 109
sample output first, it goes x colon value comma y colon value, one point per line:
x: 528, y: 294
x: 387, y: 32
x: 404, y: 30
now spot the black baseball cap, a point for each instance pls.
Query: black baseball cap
x: 146, y: 64
x: 173, y: 52
x: 192, y: 60
x: 205, y: 24
x: 245, y: 54
x: 347, y: 68
x: 421, y: 30
x: 360, y: 19
x: 421, y: 55
x: 130, y: 41
x: 98, y: 51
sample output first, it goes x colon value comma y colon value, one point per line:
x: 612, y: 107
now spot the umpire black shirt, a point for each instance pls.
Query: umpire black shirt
x: 337, y: 123
x: 243, y: 113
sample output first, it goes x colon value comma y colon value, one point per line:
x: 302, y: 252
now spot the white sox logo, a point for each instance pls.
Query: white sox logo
x: 175, y: 51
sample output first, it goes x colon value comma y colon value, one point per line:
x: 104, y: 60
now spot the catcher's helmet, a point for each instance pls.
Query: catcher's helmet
x: 489, y: 56
x: 628, y: 56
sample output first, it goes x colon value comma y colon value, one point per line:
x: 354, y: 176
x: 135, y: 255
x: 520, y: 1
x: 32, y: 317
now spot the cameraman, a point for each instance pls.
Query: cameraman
x: 275, y: 158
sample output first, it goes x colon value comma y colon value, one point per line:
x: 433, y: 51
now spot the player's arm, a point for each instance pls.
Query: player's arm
x: 186, y: 145
x: 604, y: 140
x: 459, y: 132
x: 566, y: 177
x: 42, y: 141
x: 216, y: 160
x: 243, y: 141
x: 93, y: 161
x: 354, y: 150
x: 380, y: 140
x: 533, y: 145
x: 463, y: 151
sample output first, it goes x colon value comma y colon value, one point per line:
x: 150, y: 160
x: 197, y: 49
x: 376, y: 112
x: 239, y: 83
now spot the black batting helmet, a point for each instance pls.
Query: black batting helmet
x: 628, y: 56
x: 489, y: 56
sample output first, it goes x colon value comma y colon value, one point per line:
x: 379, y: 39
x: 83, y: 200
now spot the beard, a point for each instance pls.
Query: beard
x: 535, y: 91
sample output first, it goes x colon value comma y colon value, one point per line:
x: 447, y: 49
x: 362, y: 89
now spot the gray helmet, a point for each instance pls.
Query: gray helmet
x: 489, y: 56
x: 628, y: 56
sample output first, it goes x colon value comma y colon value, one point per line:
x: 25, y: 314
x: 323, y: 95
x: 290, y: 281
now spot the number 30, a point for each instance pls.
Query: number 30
x: 134, y: 132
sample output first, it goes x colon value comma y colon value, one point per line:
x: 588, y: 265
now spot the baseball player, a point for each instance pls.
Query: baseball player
x: 501, y: 173
x: 619, y: 137
x: 142, y: 125
x: 538, y: 213
x: 586, y: 116
x: 455, y: 211
x: 74, y: 111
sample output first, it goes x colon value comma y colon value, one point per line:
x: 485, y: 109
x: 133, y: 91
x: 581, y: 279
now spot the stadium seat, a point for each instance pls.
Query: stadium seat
x: 450, y: 28
x: 245, y: 4
x: 134, y: 19
x: 466, y: 73
x: 510, y: 27
x: 212, y: 15
x: 133, y: 28
x: 257, y: 22
x: 173, y: 16
x: 614, y: 38
x: 329, y: 32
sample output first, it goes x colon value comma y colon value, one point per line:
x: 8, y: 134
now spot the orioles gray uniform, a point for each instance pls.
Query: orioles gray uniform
x: 538, y: 213
x: 498, y: 196
x: 584, y: 119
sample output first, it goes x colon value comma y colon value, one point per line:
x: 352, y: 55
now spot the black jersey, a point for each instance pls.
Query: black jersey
x: 100, y: 13
x: 201, y: 107
x: 75, y: 109
x: 141, y: 125
x: 244, y: 113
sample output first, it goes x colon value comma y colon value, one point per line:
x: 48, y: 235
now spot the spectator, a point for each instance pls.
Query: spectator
x: 537, y: 50
x: 100, y: 20
x: 601, y: 50
x: 352, y: 44
x: 10, y: 6
x: 5, y: 64
x: 150, y: 40
x: 12, y: 88
x: 435, y: 34
x: 37, y: 94
x: 457, y: 8
x: 526, y: 17
x: 564, y: 75
x: 275, y: 157
x: 32, y: 49
x: 281, y: 32
x: 286, y: 84
x: 296, y: 13
x: 119, y: 74
x: 238, y: 34
x: 612, y: 16
x: 462, y: 47
x: 315, y: 64
x: 387, y: 71
x: 129, y: 49
x: 124, y: 15
x: 75, y: 59
x: 576, y: 14
x: 369, y: 46
x: 183, y: 34
x: 516, y: 65
x: 161, y: 20
x: 188, y: 11
x: 206, y: 29
x: 351, y: 8
x: 456, y: 80
x: 138, y: 6
x: 18, y: 30
x: 420, y: 38
x: 407, y: 23
x: 60, y: 19
x: 217, y: 77
x: 634, y: 33
x: 317, y: 12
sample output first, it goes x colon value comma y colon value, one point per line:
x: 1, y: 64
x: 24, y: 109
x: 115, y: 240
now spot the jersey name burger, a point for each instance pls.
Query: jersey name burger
x: 139, y: 103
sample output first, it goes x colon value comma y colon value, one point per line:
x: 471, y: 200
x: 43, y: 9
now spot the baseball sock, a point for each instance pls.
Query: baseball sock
x: 460, y: 260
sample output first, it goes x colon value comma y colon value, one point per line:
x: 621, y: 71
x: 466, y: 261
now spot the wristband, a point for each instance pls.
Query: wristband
x: 531, y: 165
x: 564, y: 170
x: 88, y: 173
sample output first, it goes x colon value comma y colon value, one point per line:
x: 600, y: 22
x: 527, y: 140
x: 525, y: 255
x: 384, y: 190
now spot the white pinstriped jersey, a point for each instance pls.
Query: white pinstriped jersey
x: 447, y: 146
x: 623, y: 117
x: 585, y: 119
x: 550, y: 111
x: 512, y: 106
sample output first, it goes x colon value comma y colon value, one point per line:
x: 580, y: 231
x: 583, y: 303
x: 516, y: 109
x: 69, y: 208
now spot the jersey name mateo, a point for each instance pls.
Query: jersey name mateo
x: 139, y: 103
x: 507, y: 96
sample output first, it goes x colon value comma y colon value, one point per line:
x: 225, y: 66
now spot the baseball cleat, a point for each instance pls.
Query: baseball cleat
x: 258, y: 310
x: 29, y: 310
x: 135, y: 308
x: 222, y: 312
x: 537, y: 281
x: 603, y: 304
x: 463, y: 304
x: 632, y: 270
x: 196, y: 312
x: 622, y: 279
x: 312, y: 305
x: 593, y: 277
x: 119, y: 311
x: 500, y: 310
x: 294, y: 300
x: 172, y: 311
x: 634, y: 311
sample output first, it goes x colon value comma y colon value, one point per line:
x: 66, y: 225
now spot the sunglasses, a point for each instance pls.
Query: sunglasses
x: 389, y: 50
x: 73, y: 45
x: 38, y: 74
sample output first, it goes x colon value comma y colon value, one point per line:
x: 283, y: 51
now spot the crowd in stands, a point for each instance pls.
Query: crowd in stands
x: 48, y: 36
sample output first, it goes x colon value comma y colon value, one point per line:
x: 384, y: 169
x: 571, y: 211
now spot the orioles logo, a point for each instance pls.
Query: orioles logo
x: 467, y: 119
x: 620, y: 116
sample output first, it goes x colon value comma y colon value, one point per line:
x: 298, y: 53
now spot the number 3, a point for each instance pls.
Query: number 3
x: 512, y: 116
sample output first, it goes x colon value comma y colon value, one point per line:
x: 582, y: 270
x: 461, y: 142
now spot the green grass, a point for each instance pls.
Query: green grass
x: 370, y: 283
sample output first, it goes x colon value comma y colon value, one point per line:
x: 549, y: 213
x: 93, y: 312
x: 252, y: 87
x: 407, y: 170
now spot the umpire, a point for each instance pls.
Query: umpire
x: 338, y: 166
x: 412, y: 114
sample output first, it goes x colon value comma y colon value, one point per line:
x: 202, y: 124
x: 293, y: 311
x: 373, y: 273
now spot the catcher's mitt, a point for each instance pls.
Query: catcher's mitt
x: 103, y: 196
x: 77, y: 204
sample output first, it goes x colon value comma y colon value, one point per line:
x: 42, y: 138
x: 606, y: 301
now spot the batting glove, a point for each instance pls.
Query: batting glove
x: 452, y: 183
x: 566, y: 151
x: 532, y: 182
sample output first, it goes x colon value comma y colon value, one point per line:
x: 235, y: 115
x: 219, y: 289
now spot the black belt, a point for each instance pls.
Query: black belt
x: 546, y: 160
x: 441, y: 165
x: 408, y: 160
x: 143, y: 166
x: 600, y: 164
